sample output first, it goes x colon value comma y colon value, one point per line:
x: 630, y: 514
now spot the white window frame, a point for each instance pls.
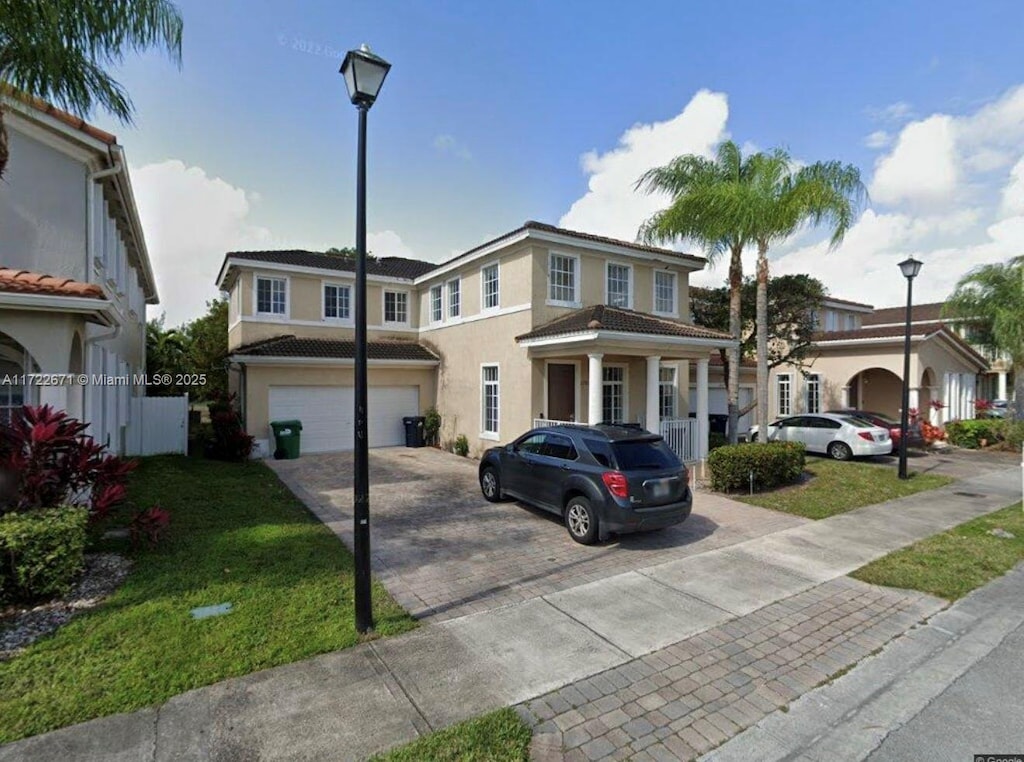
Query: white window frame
x: 608, y: 265
x: 323, y: 301
x: 453, y: 307
x: 625, y: 388
x: 436, y: 317
x: 818, y: 385
x: 674, y: 312
x: 485, y: 432
x: 576, y: 285
x: 384, y: 307
x: 672, y: 385
x: 484, y: 306
x: 787, y: 409
x: 256, y: 296
x: 851, y: 322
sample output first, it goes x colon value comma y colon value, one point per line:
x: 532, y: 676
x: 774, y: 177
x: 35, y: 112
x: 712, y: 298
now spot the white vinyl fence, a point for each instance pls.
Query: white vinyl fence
x: 158, y: 426
x: 683, y: 436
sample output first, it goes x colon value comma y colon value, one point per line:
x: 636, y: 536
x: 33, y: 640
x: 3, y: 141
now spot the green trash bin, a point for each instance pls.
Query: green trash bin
x: 286, y: 439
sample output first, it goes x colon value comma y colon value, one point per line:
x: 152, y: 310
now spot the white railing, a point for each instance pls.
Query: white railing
x: 158, y: 425
x: 682, y: 435
x: 539, y: 422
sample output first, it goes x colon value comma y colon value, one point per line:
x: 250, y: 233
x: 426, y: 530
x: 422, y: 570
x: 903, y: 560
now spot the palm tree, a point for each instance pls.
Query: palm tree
x: 699, y: 188
x: 59, y: 51
x: 992, y: 298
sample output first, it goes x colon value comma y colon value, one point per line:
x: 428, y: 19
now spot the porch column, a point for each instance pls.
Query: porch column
x: 914, y: 400
x: 653, y: 419
x: 1001, y: 388
x: 594, y: 389
x: 844, y: 398
x: 702, y: 407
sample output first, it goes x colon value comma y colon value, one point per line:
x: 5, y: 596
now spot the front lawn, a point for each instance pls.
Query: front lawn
x: 833, y: 487
x: 496, y: 737
x: 237, y: 535
x: 953, y: 563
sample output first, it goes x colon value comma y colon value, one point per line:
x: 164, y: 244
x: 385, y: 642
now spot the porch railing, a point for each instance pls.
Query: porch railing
x: 538, y: 422
x: 682, y: 436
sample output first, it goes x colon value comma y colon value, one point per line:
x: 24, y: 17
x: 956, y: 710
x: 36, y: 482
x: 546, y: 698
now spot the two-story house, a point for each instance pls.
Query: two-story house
x: 75, y: 277
x: 540, y: 323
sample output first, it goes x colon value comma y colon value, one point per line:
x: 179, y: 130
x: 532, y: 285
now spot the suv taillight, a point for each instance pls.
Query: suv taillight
x: 616, y: 483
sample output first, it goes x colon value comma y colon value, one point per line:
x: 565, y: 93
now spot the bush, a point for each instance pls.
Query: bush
x: 773, y: 464
x: 431, y: 425
x: 229, y: 441
x: 461, y: 445
x: 1013, y: 434
x: 970, y: 433
x: 716, y: 440
x: 41, y: 552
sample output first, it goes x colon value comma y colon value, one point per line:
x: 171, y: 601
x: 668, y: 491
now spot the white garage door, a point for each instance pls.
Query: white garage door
x: 718, y: 404
x: 328, y: 417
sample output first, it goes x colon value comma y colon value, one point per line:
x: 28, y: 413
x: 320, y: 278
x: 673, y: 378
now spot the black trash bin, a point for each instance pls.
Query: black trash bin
x: 414, y: 431
x: 718, y: 423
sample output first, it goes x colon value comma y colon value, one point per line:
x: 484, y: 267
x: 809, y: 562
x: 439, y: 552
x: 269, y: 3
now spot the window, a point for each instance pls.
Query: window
x: 271, y: 296
x: 436, y: 304
x: 337, y: 302
x: 613, y: 394
x: 562, y: 285
x: 557, y: 446
x: 490, y: 399
x: 784, y: 394
x: 815, y: 320
x: 533, y: 444
x: 489, y: 278
x: 664, y: 292
x: 667, y: 393
x: 851, y: 322
x: 396, y: 307
x: 814, y: 393
x: 454, y: 298
x: 831, y: 320
x: 618, y: 285
x: 12, y: 392
x: 639, y: 455
x: 602, y: 452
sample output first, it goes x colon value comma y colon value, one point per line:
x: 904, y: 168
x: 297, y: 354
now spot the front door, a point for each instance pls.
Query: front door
x: 561, y: 392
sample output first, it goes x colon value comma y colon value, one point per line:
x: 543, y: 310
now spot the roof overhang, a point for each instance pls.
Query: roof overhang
x: 965, y: 352
x: 339, y: 362
x: 224, y: 281
x: 591, y: 337
x: 96, y: 310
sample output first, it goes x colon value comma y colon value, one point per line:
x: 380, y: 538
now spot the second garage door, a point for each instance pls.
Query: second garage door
x: 328, y: 418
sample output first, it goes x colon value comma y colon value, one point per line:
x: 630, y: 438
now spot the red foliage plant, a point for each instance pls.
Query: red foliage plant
x: 149, y: 526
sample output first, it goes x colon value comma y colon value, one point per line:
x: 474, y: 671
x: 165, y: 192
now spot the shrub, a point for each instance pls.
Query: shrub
x: 41, y: 552
x: 229, y: 440
x: 431, y: 425
x: 970, y: 433
x: 1013, y: 434
x: 931, y: 434
x: 716, y: 440
x: 149, y: 526
x: 772, y: 463
x: 461, y: 445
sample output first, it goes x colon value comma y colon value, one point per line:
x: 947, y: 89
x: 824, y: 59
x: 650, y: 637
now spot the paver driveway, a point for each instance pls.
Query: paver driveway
x: 443, y: 551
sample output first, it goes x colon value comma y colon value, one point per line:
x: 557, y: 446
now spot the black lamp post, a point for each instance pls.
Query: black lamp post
x: 364, y: 74
x: 910, y: 267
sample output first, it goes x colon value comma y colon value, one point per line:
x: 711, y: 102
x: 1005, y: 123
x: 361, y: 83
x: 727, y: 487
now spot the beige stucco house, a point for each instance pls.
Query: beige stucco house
x: 539, y: 323
x: 75, y: 277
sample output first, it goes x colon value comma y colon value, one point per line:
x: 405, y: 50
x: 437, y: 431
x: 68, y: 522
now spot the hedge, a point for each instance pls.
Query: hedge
x: 41, y: 552
x: 970, y: 433
x: 773, y: 464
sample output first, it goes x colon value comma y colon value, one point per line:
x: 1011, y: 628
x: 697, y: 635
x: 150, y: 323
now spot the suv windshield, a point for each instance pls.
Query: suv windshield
x: 644, y: 454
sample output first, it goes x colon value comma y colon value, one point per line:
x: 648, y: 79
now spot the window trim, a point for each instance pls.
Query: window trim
x: 323, y: 302
x: 625, y: 388
x: 256, y: 278
x: 577, y: 290
x: 631, y: 285
x: 484, y: 432
x: 654, y: 292
x: 675, y: 391
x: 448, y: 291
x: 431, y: 319
x: 820, y: 381
x: 778, y: 395
x: 484, y: 309
x: 384, y: 307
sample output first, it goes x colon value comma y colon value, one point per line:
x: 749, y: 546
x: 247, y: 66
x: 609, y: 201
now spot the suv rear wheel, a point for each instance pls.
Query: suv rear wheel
x: 581, y: 521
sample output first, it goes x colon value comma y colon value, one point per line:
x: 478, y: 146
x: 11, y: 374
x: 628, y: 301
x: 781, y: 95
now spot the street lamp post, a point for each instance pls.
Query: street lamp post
x: 910, y: 268
x: 364, y: 74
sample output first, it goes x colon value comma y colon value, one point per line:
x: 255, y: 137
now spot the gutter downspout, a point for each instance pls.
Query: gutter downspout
x: 90, y: 224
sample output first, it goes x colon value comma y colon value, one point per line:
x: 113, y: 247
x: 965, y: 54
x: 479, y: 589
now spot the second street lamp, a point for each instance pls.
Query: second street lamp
x: 364, y: 74
x: 910, y: 267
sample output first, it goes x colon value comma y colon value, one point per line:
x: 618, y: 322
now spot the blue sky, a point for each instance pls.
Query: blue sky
x: 498, y: 113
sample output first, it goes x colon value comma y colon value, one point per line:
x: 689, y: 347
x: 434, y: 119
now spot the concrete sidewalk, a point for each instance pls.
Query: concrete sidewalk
x: 350, y: 704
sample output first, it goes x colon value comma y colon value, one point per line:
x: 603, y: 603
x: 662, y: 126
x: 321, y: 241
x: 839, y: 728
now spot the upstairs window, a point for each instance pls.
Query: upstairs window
x: 436, y: 304
x: 665, y: 292
x: 337, y: 302
x: 454, y: 298
x: 396, y: 307
x: 563, y: 279
x: 489, y: 279
x: 271, y: 296
x: 619, y: 285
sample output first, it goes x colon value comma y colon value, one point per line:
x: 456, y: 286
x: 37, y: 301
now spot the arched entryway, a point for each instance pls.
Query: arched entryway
x: 877, y: 390
x: 15, y: 362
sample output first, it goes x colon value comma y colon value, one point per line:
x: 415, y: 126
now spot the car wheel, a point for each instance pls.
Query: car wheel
x: 840, y: 451
x: 581, y: 521
x: 490, y: 484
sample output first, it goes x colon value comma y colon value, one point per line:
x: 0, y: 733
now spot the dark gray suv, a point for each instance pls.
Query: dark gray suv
x: 599, y: 479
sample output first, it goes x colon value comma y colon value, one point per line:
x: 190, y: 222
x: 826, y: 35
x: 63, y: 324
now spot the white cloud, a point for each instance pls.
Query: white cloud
x: 611, y: 206
x: 388, y: 243
x: 1013, y: 194
x: 190, y: 221
x: 878, y: 139
x: 923, y: 166
x: 895, y: 112
x: 448, y: 144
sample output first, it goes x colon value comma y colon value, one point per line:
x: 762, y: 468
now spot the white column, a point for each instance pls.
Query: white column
x: 702, y: 406
x: 683, y: 390
x: 844, y: 399
x: 915, y: 400
x: 969, y: 381
x: 594, y: 389
x: 653, y: 419
x: 1001, y: 391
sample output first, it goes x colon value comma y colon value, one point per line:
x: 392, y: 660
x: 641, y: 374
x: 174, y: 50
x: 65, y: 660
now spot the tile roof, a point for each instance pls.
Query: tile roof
x: 338, y: 349
x: 606, y: 318
x: 847, y: 301
x: 26, y: 282
x: 393, y: 267
x: 919, y: 313
x: 59, y: 114
x: 896, y: 332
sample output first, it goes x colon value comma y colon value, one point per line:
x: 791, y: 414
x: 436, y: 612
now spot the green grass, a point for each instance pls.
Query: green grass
x: 237, y: 534
x: 836, y: 487
x: 953, y: 563
x: 496, y: 737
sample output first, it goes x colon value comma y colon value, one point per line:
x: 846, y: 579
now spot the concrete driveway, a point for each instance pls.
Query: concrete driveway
x: 954, y: 461
x: 443, y: 551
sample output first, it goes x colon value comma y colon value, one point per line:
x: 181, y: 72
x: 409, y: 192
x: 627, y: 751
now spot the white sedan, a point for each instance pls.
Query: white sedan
x: 839, y: 436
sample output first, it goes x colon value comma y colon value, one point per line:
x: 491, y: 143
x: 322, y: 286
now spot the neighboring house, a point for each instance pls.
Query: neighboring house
x: 540, y: 323
x: 75, y: 277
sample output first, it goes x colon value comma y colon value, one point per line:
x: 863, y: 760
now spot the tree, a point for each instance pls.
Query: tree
x: 166, y: 354
x: 699, y: 188
x: 59, y: 51
x: 991, y: 297
x: 207, y: 340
